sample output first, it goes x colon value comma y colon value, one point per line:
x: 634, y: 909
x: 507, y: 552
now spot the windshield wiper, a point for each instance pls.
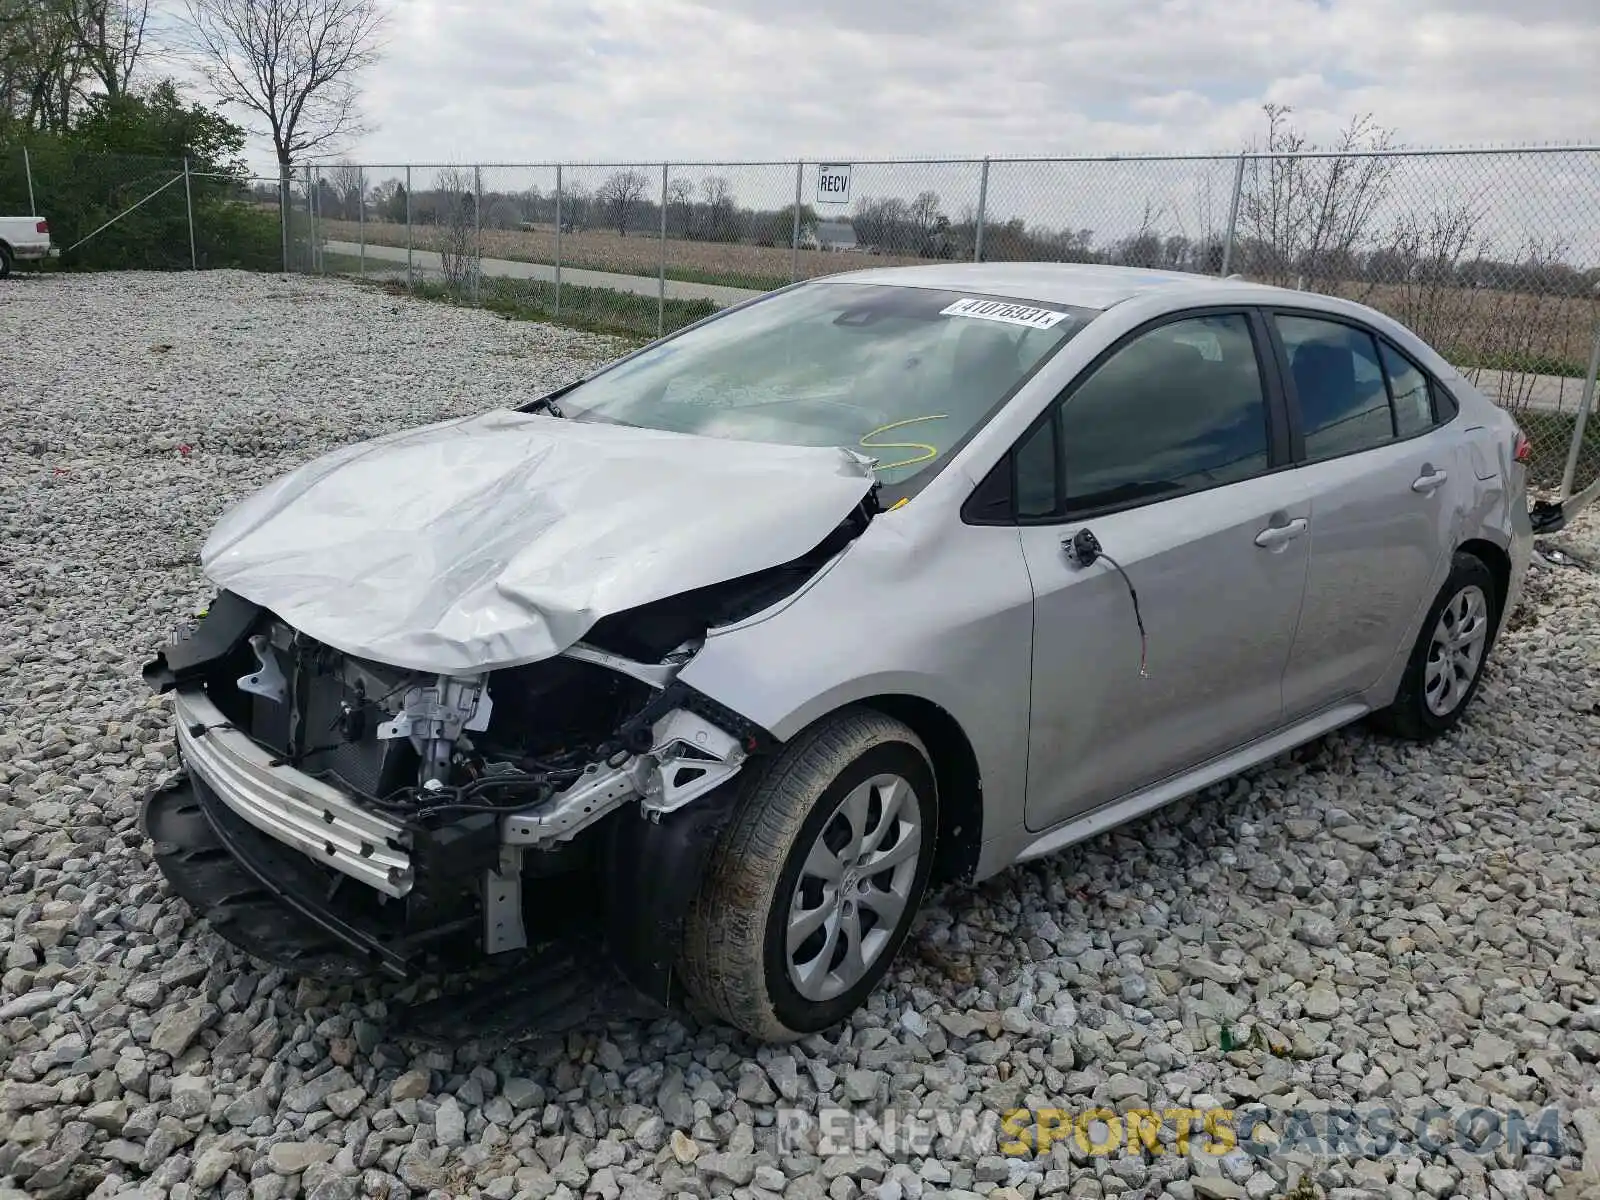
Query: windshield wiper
x: 548, y: 404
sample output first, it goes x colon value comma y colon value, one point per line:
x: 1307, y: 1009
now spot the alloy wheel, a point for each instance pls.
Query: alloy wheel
x: 853, y: 887
x: 1455, y: 653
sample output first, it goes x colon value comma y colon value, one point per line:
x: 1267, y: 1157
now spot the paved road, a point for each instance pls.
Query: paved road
x: 427, y: 261
x: 1548, y: 393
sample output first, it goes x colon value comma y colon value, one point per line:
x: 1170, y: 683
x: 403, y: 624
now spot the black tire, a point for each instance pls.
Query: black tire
x: 1411, y: 716
x: 5, y: 261
x: 734, y: 962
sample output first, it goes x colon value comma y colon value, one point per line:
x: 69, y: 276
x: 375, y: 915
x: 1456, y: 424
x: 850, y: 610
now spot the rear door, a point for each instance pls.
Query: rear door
x: 1171, y: 450
x: 1384, y: 475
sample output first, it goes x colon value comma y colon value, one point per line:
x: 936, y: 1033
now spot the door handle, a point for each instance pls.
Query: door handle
x: 1278, y: 535
x: 1429, y: 480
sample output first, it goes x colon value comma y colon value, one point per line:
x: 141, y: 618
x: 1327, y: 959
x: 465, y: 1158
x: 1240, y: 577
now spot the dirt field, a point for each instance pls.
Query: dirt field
x: 1511, y: 331
x: 1501, y: 329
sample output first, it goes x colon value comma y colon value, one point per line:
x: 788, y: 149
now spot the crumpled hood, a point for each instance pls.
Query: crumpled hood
x: 500, y: 539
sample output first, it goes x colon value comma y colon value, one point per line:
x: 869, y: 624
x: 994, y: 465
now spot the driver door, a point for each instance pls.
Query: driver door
x: 1169, y: 450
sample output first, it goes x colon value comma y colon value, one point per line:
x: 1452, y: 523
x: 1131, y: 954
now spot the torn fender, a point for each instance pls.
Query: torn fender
x: 500, y: 539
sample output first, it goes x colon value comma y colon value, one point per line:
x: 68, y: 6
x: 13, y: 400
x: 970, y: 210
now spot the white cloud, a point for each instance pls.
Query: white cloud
x: 501, y: 81
x: 519, y: 80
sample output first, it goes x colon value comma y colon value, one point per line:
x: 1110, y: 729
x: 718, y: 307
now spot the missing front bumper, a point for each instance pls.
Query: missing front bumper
x: 274, y: 903
x: 226, y: 872
x: 288, y: 805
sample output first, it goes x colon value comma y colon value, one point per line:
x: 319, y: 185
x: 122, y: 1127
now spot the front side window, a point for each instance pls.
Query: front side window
x: 1344, y: 404
x: 901, y: 374
x: 1178, y: 408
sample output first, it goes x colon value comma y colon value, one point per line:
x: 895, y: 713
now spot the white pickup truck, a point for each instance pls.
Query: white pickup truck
x: 23, y: 238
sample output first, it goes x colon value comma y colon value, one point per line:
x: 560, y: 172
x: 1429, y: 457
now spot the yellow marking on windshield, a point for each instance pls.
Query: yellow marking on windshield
x: 928, y: 452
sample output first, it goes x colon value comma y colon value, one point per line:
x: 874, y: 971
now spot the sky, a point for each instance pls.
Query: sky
x: 520, y: 80
x: 639, y: 81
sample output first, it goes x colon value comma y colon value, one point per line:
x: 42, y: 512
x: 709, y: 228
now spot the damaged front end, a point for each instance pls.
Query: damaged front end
x: 336, y: 815
x: 419, y: 722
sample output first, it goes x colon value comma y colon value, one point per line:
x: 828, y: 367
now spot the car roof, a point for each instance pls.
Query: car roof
x: 1081, y: 285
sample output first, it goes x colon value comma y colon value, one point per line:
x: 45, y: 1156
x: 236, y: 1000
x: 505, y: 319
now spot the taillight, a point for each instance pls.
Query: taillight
x: 1522, y: 449
x: 41, y: 227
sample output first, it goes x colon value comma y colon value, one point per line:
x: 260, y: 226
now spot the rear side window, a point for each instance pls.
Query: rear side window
x: 1344, y: 404
x: 1445, y: 407
x: 1413, y: 407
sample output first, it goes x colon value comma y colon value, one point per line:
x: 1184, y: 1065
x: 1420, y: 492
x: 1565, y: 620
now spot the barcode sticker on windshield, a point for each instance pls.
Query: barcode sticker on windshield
x: 1000, y: 310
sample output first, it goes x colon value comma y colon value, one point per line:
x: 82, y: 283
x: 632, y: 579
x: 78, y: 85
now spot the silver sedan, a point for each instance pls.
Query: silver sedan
x: 883, y: 580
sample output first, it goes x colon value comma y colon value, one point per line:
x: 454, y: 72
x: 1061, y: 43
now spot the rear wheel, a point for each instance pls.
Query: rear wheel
x: 5, y: 261
x: 812, y: 888
x: 1446, y: 663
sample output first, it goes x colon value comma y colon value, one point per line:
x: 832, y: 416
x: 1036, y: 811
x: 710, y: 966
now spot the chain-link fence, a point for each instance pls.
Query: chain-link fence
x: 1493, y: 255
x: 119, y: 211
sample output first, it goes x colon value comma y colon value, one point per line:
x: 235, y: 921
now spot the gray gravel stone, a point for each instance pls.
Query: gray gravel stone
x: 179, y: 1025
x: 1371, y: 921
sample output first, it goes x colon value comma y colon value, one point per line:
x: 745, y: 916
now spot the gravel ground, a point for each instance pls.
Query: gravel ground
x: 1366, y: 923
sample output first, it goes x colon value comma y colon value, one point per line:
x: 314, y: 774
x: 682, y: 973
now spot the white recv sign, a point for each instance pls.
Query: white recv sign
x: 833, y: 183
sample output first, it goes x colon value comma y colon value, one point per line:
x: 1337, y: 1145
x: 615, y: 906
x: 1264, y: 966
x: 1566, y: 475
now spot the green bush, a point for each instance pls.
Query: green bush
x: 129, y: 155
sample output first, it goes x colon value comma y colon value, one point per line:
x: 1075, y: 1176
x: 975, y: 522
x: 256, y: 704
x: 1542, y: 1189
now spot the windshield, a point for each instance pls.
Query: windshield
x: 901, y: 374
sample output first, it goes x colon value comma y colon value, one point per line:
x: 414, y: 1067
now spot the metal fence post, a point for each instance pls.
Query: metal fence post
x: 1581, y: 423
x: 1233, y: 218
x: 311, y: 220
x: 477, y: 229
x: 27, y: 169
x: 188, y: 203
x: 661, y: 284
x: 558, y: 240
x: 283, y: 210
x: 361, y: 226
x: 983, y: 207
x: 410, y: 275
x: 794, y: 253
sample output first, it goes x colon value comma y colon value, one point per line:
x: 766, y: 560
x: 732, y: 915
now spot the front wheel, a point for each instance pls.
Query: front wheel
x: 812, y: 888
x: 1446, y: 663
x: 5, y: 261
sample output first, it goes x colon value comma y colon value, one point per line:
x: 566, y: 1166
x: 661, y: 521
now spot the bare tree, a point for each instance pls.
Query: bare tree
x: 1143, y: 248
x: 680, y: 204
x: 40, y: 68
x: 110, y: 36
x: 721, y: 222
x: 620, y: 194
x: 1420, y: 270
x: 575, y: 202
x: 349, y: 183
x: 56, y: 55
x: 456, y: 216
x: 1305, y: 216
x: 384, y: 200
x: 291, y: 63
x: 927, y: 221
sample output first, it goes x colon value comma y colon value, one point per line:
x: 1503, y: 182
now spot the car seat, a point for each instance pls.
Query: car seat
x: 1325, y: 378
